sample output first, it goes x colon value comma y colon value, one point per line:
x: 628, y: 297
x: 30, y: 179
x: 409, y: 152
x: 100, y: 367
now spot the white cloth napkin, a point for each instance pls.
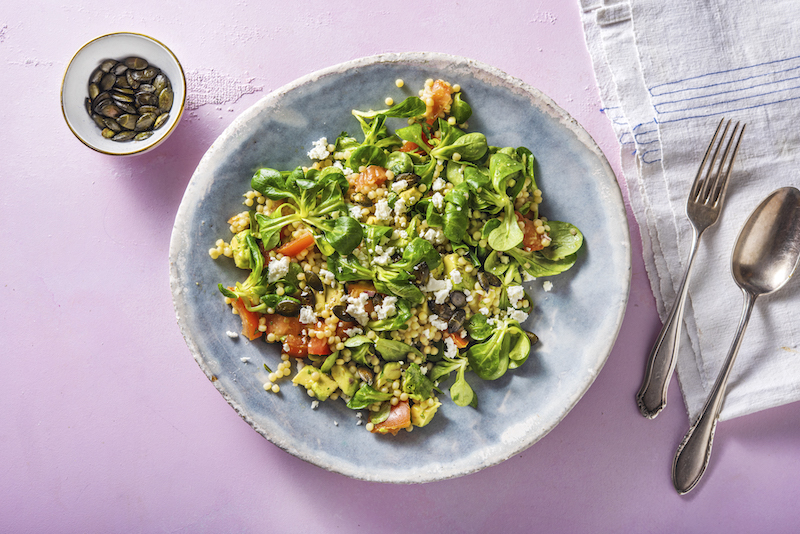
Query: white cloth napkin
x: 668, y: 72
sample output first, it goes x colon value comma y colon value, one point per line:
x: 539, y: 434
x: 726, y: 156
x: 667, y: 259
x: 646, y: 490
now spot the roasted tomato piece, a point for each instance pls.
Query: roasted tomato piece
x: 369, y: 180
x: 283, y: 326
x: 249, y: 320
x: 531, y: 239
x: 399, y: 417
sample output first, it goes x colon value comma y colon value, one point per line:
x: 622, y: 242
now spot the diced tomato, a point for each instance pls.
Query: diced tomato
x: 342, y: 326
x: 295, y: 345
x: 249, y: 320
x: 460, y: 342
x: 399, y: 417
x: 297, y: 245
x: 531, y: 239
x: 408, y: 146
x: 369, y: 180
x: 440, y: 95
x: 318, y: 346
x: 361, y: 286
x: 283, y: 326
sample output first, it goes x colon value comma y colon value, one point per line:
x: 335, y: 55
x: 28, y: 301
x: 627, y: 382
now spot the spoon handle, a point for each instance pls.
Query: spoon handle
x: 652, y: 395
x: 694, y: 452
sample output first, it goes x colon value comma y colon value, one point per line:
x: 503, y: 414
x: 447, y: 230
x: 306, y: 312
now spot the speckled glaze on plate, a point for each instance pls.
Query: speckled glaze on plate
x: 577, y: 322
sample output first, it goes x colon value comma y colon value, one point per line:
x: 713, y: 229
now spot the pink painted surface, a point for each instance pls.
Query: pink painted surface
x: 108, y: 425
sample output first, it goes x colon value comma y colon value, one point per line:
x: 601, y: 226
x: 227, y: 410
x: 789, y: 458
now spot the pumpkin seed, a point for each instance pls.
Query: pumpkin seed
x: 111, y: 124
x: 96, y: 76
x: 313, y: 280
x: 146, y: 99
x: 100, y: 121
x: 145, y: 122
x: 107, y: 82
x: 107, y: 108
x: 127, y: 135
x: 161, y: 120
x: 165, y: 99
x: 128, y: 121
x: 126, y: 107
x: 288, y: 308
x: 107, y: 64
x: 457, y: 320
x: 121, y: 97
x: 130, y: 99
x: 137, y: 63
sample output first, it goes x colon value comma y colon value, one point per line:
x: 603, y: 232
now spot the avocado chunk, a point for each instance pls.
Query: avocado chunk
x: 422, y: 413
x: 241, y: 254
x: 347, y: 381
x: 322, y: 388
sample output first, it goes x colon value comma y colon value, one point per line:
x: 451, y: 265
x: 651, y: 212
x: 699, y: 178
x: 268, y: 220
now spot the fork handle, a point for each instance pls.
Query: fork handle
x: 652, y: 395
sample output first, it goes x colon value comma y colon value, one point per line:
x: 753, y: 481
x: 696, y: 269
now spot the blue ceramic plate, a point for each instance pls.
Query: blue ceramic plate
x: 577, y: 322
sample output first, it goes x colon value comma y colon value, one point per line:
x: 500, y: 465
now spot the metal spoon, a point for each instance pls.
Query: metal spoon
x: 763, y: 260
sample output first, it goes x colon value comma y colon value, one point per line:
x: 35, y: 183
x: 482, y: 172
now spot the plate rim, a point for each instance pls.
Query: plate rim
x: 614, y: 193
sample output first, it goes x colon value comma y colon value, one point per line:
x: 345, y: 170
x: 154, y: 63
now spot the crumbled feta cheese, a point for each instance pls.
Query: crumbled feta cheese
x: 438, y: 200
x: 442, y: 294
x: 484, y: 311
x: 278, y: 269
x: 382, y: 210
x: 438, y: 184
x: 356, y: 211
x: 399, y: 185
x: 245, y: 359
x: 314, y: 404
x: 383, y: 257
x: 517, y: 315
x: 399, y: 234
x: 455, y: 276
x: 450, y: 349
x: 515, y: 294
x: 526, y: 277
x: 399, y: 207
x: 320, y: 150
x: 347, y: 171
x: 327, y: 277
x: 355, y: 307
x: 350, y: 332
x: 437, y: 323
x: 434, y: 235
x: 547, y: 285
x: 387, y: 308
x: 307, y: 315
x: 440, y: 288
x: 232, y: 335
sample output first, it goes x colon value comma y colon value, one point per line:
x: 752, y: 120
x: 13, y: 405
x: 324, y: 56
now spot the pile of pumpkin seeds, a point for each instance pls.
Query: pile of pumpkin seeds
x: 129, y: 99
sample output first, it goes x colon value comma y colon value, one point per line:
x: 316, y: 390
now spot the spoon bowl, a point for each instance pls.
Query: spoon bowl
x: 768, y: 248
x: 764, y: 258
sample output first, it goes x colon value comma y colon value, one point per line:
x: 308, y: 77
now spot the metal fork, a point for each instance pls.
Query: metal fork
x: 703, y: 207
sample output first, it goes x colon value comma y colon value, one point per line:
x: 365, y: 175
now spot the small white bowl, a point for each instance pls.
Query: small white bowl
x: 75, y: 89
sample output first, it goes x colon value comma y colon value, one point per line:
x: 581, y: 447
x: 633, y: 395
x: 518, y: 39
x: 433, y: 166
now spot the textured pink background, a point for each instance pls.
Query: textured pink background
x: 108, y: 425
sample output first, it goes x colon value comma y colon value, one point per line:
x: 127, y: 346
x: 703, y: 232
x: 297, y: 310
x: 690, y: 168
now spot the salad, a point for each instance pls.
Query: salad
x: 393, y: 263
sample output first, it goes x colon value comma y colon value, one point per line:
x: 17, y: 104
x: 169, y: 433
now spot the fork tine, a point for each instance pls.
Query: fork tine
x: 708, y: 183
x: 721, y: 185
x: 698, y: 179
